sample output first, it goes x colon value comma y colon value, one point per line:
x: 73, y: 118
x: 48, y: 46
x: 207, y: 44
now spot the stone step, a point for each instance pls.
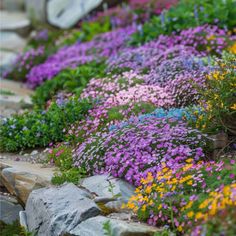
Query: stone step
x: 7, y: 58
x: 10, y: 41
x: 17, y: 88
x: 13, y: 5
x: 14, y: 22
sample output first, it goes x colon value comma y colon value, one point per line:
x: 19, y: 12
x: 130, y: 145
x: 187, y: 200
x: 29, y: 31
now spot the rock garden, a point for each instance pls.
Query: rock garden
x: 118, y: 118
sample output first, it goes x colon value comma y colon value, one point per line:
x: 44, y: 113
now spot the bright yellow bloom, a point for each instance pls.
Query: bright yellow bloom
x: 198, y: 216
x: 190, y: 214
x: 233, y: 107
x: 180, y: 228
x: 232, y: 49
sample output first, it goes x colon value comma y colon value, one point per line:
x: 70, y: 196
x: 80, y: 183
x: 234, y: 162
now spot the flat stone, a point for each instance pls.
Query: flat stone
x: 94, y: 227
x: 65, y: 14
x: 7, y: 59
x: 21, y: 178
x: 14, y: 22
x: 57, y: 210
x: 100, y: 185
x: 10, y: 41
x: 13, y: 5
x: 9, y: 210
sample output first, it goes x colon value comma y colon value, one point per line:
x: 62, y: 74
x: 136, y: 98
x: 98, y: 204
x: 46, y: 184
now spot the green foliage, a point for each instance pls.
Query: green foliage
x: 107, y: 228
x: 70, y: 80
x: 218, y: 97
x: 87, y: 31
x: 62, y: 157
x: 14, y: 229
x: 188, y: 14
x: 6, y: 92
x: 39, y: 128
x: 72, y: 175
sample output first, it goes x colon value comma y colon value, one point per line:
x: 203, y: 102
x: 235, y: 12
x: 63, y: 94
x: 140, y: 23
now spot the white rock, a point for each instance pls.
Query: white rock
x: 66, y: 13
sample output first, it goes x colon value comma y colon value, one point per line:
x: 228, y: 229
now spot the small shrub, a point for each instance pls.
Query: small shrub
x: 187, y: 14
x: 218, y: 97
x: 70, y: 81
x: 39, y: 128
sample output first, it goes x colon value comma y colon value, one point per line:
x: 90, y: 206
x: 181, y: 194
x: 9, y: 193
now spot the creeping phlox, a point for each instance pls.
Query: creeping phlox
x: 185, y: 197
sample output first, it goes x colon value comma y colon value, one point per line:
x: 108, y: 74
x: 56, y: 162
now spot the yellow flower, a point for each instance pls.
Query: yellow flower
x: 198, y: 216
x: 232, y: 49
x: 190, y: 214
x: 144, y: 207
x: 190, y: 160
x: 180, y: 228
x: 233, y: 107
x: 148, y: 189
x: 190, y: 182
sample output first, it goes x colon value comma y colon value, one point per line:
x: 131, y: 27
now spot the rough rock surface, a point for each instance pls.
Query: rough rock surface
x: 9, y: 209
x: 94, y: 227
x: 108, y: 186
x: 36, y: 10
x: 65, y: 14
x: 21, y: 178
x: 13, y: 5
x: 54, y: 211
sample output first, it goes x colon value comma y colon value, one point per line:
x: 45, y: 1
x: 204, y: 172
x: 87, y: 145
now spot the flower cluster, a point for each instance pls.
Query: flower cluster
x: 134, y: 150
x: 102, y: 88
x: 24, y: 63
x: 199, y: 41
x: 185, y: 196
x: 101, y: 46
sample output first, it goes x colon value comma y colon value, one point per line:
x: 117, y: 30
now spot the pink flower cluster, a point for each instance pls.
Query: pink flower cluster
x: 142, y: 93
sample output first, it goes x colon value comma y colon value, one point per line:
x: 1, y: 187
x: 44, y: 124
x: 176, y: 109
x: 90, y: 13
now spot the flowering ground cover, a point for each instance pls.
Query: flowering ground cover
x: 141, y: 101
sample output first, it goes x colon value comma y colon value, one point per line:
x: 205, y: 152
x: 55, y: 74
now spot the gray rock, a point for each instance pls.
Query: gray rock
x: 9, y: 209
x: 12, y: 42
x: 23, y: 219
x: 6, y: 60
x: 13, y: 5
x: 22, y: 177
x: 36, y: 10
x: 14, y: 22
x: 34, y: 152
x: 65, y: 14
x: 94, y: 227
x: 58, y: 210
x: 100, y: 185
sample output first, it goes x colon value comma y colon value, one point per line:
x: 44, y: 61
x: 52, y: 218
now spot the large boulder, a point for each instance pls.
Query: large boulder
x: 108, y: 186
x: 66, y: 13
x: 9, y: 209
x: 95, y: 227
x: 57, y: 210
x: 21, y: 178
